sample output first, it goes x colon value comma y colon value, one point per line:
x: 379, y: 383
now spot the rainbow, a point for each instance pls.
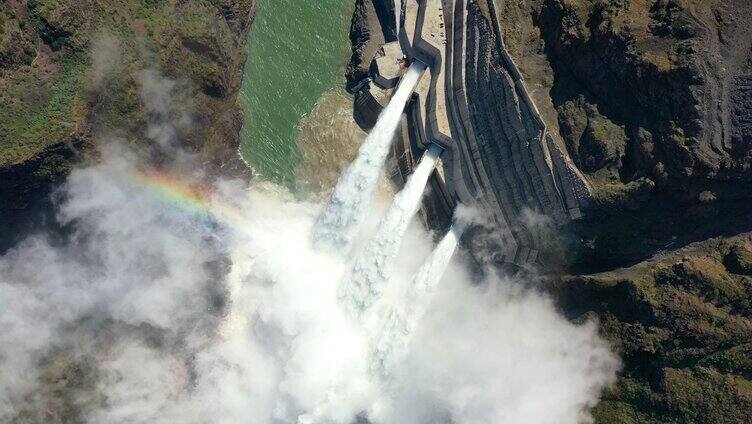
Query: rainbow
x: 195, y: 199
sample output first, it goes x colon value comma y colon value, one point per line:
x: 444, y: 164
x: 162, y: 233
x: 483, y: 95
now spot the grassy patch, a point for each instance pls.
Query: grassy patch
x: 739, y: 259
x: 195, y: 22
x: 660, y: 60
x: 707, y: 277
x: 705, y: 396
x: 610, y: 412
x: 39, y: 112
x: 46, y: 103
x: 737, y: 359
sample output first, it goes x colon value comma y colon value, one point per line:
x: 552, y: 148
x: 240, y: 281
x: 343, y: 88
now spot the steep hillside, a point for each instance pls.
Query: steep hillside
x: 682, y: 323
x: 72, y: 72
x: 651, y: 100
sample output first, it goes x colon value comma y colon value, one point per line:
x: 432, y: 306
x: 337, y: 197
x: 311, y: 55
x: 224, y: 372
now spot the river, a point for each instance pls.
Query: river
x: 298, y: 50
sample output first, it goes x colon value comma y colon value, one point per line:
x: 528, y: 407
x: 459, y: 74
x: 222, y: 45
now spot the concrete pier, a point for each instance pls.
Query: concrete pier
x: 498, y: 154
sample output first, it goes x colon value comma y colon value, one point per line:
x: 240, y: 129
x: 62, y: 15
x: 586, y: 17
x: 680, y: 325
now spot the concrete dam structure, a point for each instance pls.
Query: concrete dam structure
x: 498, y: 154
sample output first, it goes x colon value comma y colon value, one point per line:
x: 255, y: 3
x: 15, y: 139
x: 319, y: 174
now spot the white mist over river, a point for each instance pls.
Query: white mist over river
x: 134, y: 296
x: 177, y: 302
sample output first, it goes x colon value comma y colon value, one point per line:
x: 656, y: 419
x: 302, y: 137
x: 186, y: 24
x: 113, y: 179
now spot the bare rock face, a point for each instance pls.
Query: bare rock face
x: 365, y: 38
x: 676, y: 69
x: 211, y: 54
x: 594, y: 142
x: 368, y: 33
x: 73, y: 73
x: 651, y: 99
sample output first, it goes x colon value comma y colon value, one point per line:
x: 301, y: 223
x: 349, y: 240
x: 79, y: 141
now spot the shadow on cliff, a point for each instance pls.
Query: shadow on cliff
x: 613, y: 236
x: 27, y: 193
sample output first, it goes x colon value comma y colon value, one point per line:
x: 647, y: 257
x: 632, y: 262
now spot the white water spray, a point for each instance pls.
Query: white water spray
x: 399, y: 322
x: 228, y: 313
x: 374, y: 265
x: 352, y: 196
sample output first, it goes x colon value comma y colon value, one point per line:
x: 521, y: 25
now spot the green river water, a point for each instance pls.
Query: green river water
x: 298, y: 50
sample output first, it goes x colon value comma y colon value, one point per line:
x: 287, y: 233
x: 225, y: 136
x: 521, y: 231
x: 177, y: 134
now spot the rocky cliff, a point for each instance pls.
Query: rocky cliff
x: 74, y: 73
x: 650, y: 99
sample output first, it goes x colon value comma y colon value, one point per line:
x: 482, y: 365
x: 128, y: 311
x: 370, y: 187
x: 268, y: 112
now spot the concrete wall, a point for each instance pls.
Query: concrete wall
x: 385, y: 10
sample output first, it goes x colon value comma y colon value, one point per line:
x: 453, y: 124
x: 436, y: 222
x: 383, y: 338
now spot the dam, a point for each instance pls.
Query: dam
x: 497, y: 152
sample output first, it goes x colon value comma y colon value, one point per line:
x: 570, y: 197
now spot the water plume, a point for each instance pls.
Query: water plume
x: 173, y: 299
x: 350, y: 201
x: 398, y: 324
x: 210, y: 304
x: 373, y: 266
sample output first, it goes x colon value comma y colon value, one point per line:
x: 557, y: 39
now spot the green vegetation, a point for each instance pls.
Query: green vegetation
x: 737, y: 358
x: 702, y: 396
x: 682, y: 325
x: 739, y: 259
x: 59, y: 23
x: 708, y: 277
x: 41, y: 110
x: 696, y: 395
x: 69, y: 72
x: 618, y: 413
x: 46, y: 101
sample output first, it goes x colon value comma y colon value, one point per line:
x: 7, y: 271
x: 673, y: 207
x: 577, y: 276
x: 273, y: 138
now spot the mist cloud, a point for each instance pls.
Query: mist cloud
x: 105, y: 54
x: 170, y: 314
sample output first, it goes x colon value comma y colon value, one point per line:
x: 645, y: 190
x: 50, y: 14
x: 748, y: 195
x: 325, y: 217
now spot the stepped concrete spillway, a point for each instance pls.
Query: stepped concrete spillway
x: 499, y: 154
